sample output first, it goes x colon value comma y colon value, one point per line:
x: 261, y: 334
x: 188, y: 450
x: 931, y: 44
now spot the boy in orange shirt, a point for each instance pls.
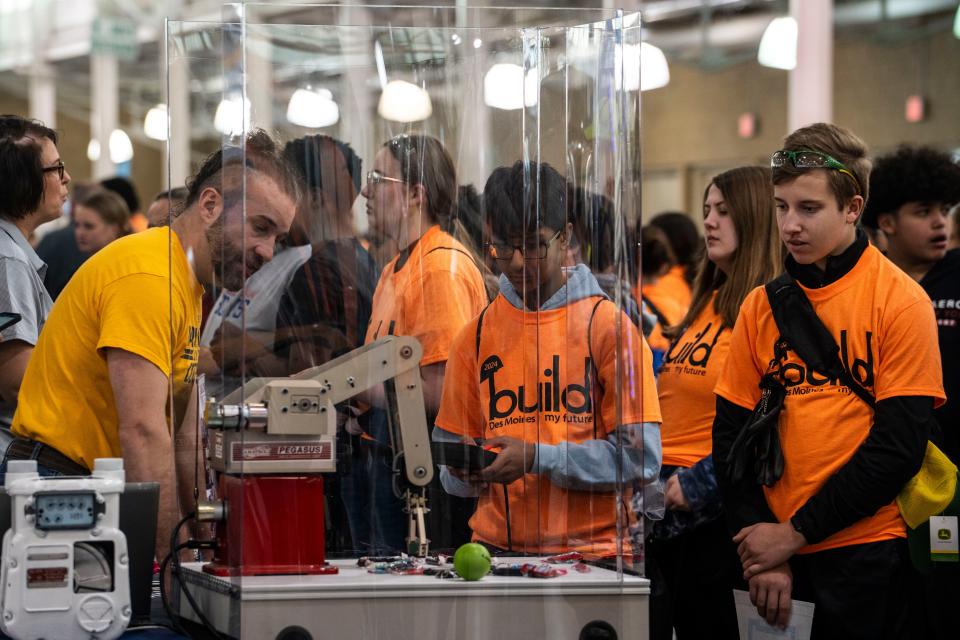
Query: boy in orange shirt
x: 538, y: 375
x: 828, y: 530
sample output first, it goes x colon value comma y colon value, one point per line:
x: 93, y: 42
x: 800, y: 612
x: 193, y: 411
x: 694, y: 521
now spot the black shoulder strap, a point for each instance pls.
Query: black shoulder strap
x: 593, y: 312
x: 662, y: 319
x: 480, y: 329
x: 803, y: 329
x: 472, y: 259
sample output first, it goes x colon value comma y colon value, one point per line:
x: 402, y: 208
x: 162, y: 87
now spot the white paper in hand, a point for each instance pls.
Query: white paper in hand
x: 753, y: 627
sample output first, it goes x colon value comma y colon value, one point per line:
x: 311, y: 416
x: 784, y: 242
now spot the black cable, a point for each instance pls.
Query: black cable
x: 165, y: 599
x: 174, y: 559
x: 193, y: 603
x: 506, y: 506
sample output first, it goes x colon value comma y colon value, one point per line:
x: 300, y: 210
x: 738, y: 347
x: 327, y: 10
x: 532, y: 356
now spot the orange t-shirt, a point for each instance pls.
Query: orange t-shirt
x: 887, y: 334
x: 690, y: 371
x: 431, y: 297
x: 673, y: 285
x: 533, y: 379
x: 671, y: 296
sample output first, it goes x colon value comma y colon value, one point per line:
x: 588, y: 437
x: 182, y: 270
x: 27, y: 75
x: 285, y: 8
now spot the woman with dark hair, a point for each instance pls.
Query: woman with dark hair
x: 34, y: 188
x: 690, y: 556
x: 428, y: 291
x: 686, y: 245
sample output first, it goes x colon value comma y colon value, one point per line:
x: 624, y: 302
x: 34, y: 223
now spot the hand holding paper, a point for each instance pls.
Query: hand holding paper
x: 770, y: 594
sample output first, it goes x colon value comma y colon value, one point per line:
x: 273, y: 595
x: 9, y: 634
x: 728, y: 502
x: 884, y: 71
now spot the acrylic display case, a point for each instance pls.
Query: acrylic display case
x: 420, y: 249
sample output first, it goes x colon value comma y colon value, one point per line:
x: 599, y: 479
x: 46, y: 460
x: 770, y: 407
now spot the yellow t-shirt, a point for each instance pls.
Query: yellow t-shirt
x: 436, y: 292
x: 885, y: 327
x: 120, y: 298
x: 534, y: 380
x: 689, y: 374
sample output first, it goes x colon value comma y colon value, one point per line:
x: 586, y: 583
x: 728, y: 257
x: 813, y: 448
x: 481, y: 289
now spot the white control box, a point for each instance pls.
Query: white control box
x: 65, y: 568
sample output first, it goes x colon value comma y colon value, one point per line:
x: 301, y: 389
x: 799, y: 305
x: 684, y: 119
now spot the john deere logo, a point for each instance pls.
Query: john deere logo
x: 943, y: 534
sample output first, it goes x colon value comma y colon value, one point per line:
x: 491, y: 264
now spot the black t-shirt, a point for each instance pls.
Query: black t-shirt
x: 59, y: 250
x: 326, y: 308
x: 942, y: 284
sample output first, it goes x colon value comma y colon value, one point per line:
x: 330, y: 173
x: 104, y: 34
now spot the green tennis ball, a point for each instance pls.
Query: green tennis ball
x: 472, y: 561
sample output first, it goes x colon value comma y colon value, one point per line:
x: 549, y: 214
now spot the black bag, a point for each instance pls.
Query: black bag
x: 757, y: 448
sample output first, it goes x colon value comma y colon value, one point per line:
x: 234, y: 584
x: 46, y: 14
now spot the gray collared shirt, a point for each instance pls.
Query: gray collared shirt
x: 21, y: 291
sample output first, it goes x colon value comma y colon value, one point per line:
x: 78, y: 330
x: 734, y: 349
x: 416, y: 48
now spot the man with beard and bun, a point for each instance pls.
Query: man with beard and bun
x: 127, y: 328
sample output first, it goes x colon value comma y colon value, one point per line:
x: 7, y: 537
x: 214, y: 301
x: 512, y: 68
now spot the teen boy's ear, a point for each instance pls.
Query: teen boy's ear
x: 854, y: 209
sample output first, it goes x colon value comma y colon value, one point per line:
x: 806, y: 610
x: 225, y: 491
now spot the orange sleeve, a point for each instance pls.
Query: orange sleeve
x: 436, y: 309
x: 908, y: 359
x: 740, y: 379
x: 638, y: 389
x: 460, y: 410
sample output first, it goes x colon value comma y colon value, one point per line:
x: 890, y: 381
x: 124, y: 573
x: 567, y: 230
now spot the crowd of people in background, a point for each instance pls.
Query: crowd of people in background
x: 674, y: 385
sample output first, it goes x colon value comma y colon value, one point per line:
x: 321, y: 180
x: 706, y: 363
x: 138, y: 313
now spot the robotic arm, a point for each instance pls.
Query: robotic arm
x: 289, y: 425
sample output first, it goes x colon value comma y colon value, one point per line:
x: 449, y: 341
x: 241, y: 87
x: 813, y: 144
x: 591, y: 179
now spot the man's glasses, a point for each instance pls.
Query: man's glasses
x: 501, y: 251
x: 59, y: 168
x: 806, y: 159
x: 375, y: 177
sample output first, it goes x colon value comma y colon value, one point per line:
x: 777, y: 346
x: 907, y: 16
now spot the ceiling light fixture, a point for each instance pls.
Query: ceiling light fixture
x: 121, y: 149
x: 232, y: 117
x: 403, y: 101
x: 778, y: 46
x: 313, y: 109
x: 93, y: 150
x: 155, y: 122
x: 506, y: 87
x: 644, y: 67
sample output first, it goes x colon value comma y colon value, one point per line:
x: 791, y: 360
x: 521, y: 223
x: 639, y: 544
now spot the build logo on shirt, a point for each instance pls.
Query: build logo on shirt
x: 691, y: 356
x: 800, y: 379
x: 574, y: 401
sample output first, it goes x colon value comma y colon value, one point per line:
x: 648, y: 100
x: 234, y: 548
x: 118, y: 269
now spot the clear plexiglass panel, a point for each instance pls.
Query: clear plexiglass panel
x: 420, y: 325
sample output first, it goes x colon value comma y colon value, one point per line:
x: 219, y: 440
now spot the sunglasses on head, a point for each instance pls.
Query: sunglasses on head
x: 807, y: 159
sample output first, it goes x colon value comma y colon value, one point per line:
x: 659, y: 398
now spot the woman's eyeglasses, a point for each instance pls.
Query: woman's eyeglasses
x: 375, y: 177
x: 59, y: 168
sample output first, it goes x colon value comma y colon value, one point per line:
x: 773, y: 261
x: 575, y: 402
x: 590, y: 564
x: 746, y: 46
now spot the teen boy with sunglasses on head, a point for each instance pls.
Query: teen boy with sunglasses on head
x: 828, y: 530
x: 535, y: 376
x: 912, y: 190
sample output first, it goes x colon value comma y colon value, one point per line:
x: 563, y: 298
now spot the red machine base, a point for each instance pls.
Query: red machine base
x: 274, y: 526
